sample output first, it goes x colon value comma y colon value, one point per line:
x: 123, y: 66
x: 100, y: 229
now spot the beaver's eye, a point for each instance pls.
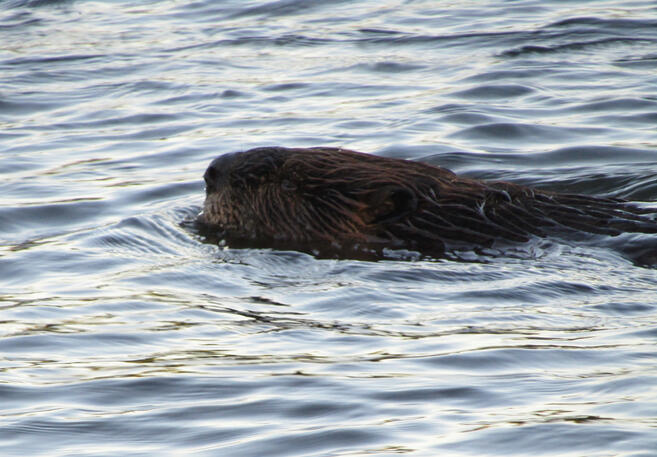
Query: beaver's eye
x: 288, y: 186
x: 210, y: 176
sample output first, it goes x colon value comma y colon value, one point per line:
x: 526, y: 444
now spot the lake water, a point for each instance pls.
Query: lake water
x: 123, y: 332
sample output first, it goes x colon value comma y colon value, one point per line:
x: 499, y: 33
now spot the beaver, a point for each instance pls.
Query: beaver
x: 331, y: 200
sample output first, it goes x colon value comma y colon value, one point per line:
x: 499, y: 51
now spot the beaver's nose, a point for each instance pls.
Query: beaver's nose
x: 216, y: 174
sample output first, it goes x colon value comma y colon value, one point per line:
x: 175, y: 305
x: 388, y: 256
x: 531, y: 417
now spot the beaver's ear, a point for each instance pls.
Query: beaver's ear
x: 392, y: 203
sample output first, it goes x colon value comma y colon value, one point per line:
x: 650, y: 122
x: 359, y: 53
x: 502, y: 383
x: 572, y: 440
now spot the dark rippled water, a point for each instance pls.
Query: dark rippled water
x: 123, y: 333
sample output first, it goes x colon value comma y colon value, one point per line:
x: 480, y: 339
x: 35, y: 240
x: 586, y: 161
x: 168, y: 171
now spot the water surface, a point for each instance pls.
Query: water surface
x: 123, y: 332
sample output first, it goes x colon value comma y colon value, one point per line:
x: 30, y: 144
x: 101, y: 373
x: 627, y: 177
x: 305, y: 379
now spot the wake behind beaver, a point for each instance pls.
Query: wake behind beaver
x: 340, y: 203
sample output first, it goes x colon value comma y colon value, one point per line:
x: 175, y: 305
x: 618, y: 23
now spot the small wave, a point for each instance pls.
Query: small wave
x: 494, y: 91
x: 387, y: 67
x: 647, y: 61
x: 42, y: 60
x: 455, y: 39
x: 623, y: 104
x: 575, y: 46
x: 510, y: 132
x: 608, y: 24
x: 510, y: 75
x: 34, y: 3
x: 281, y: 8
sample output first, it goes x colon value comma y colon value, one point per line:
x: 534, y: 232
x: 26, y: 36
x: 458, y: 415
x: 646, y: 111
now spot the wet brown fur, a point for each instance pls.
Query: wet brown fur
x: 329, y: 197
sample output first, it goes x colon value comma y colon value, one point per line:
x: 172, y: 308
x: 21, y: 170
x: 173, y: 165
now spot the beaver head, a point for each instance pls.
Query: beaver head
x: 321, y: 199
